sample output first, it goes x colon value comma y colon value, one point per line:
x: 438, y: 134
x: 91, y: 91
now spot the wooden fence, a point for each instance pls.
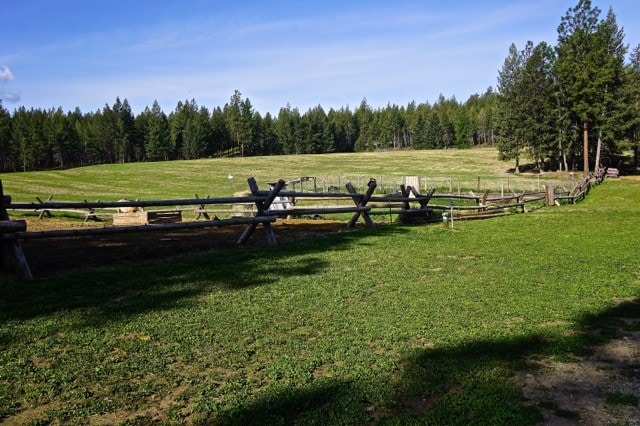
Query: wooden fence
x: 267, y: 205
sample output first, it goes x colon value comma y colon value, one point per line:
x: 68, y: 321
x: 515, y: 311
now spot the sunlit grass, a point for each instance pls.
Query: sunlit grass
x: 445, y: 169
x: 392, y: 324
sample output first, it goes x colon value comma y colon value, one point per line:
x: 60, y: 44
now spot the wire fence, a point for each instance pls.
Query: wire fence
x: 442, y: 184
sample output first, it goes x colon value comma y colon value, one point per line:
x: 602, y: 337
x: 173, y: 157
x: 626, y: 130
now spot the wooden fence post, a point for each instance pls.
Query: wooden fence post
x: 405, y: 194
x: 550, y: 195
x: 425, y: 201
x: 44, y: 212
x: 361, y: 201
x: 262, y: 207
x: 201, y: 211
x: 12, y: 254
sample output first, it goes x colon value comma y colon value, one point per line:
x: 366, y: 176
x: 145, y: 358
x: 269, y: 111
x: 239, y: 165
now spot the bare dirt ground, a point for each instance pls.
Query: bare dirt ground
x: 602, y: 388
x: 54, y: 255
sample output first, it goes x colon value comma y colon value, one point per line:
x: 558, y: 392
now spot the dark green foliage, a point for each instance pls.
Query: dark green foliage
x: 546, y: 96
x: 50, y: 139
x: 589, y: 72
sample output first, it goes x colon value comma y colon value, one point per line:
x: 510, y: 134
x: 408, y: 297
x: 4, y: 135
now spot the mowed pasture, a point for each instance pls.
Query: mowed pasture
x: 224, y: 176
x: 394, y: 324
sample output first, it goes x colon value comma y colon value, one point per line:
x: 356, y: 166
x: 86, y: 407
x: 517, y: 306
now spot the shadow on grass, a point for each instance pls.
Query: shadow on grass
x: 464, y: 384
x: 458, y: 384
x: 133, y: 289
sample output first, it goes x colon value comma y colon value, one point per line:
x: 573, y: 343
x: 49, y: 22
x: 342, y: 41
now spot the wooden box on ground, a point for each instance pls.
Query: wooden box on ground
x: 147, y: 217
x: 128, y: 219
x: 164, y: 216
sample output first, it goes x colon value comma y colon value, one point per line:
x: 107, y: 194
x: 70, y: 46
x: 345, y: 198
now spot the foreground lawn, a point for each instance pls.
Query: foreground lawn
x: 393, y: 324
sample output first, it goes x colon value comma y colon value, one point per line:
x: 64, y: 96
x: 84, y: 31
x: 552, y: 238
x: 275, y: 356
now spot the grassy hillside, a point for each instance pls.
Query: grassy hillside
x: 391, y: 324
x: 181, y: 179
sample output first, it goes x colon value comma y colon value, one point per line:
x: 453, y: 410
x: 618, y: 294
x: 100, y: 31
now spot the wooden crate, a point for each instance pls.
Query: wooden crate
x: 128, y: 219
x: 147, y: 217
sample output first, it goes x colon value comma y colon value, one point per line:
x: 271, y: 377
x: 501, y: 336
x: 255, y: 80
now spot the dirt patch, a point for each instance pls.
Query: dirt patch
x: 602, y: 388
x: 53, y: 255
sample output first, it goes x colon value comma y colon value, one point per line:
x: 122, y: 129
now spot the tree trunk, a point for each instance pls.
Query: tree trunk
x: 597, y: 164
x: 585, y: 148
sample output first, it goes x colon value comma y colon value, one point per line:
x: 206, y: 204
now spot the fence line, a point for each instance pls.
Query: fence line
x: 278, y: 202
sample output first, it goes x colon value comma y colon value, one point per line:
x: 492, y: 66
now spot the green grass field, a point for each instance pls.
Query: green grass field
x: 183, y: 179
x: 392, y: 324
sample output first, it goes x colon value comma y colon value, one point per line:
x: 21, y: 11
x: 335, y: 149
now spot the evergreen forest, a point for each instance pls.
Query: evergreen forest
x: 571, y: 106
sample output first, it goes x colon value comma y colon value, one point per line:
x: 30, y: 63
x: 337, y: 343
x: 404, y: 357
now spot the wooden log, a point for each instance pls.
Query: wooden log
x: 116, y: 204
x: 200, y: 210
x: 405, y: 194
x: 44, y: 212
x: 361, y: 201
x: 521, y: 201
x: 81, y: 232
x: 262, y: 206
x: 302, y: 211
x: 9, y: 226
x: 472, y: 197
x: 297, y: 194
x: 550, y: 198
x: 19, y: 262
x: 423, y: 200
x: 463, y: 208
x: 13, y: 257
x: 483, y: 199
x: 398, y: 199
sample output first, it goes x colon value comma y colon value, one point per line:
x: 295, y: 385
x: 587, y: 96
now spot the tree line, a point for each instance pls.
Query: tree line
x: 575, y: 105
x: 570, y: 106
x: 37, y: 139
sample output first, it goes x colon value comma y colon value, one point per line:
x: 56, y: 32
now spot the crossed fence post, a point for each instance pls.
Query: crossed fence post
x: 262, y: 207
x: 361, y: 201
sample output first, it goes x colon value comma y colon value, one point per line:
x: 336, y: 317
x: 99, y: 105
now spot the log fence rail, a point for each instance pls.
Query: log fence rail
x: 364, y: 206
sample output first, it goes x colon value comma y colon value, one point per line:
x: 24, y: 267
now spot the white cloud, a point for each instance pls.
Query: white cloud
x: 9, y: 96
x: 6, y: 74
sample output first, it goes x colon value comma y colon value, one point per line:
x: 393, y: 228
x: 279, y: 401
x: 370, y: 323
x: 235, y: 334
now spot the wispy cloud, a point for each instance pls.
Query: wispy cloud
x: 7, y: 75
x: 307, y: 54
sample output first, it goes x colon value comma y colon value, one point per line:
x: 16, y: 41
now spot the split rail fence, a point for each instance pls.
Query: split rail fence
x: 265, y: 207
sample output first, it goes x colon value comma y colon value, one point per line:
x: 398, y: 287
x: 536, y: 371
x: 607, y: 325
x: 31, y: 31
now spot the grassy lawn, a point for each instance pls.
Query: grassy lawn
x: 391, y: 325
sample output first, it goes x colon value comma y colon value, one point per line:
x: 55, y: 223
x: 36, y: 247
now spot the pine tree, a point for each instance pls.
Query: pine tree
x: 510, y: 144
x: 435, y: 132
x: 367, y: 137
x: 220, y: 136
x: 156, y: 133
x: 178, y: 121
x: 588, y: 71
x: 7, y: 148
x: 632, y: 98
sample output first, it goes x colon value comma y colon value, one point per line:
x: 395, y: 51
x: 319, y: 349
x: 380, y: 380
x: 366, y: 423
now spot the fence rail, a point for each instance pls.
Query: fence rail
x: 266, y: 206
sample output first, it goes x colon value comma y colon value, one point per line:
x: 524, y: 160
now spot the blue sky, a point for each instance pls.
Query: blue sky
x: 302, y: 53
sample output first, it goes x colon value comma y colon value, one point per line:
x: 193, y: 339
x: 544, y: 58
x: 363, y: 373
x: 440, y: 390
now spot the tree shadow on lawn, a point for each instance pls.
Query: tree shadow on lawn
x: 140, y: 287
x: 470, y: 383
